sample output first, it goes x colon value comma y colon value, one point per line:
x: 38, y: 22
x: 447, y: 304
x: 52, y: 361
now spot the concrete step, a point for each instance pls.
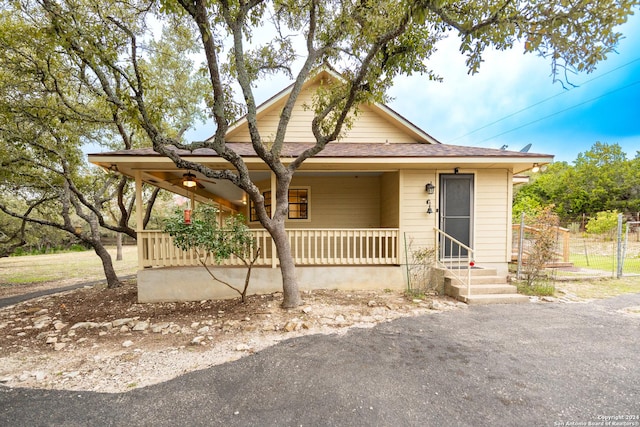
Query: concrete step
x: 494, y: 299
x: 485, y: 289
x: 477, y: 280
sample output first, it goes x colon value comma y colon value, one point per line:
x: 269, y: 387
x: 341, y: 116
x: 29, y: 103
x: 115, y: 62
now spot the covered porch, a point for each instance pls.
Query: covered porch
x: 344, y: 234
x: 336, y: 218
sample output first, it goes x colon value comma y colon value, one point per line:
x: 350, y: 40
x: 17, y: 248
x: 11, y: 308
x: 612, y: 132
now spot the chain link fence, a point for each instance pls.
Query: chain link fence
x: 613, y: 253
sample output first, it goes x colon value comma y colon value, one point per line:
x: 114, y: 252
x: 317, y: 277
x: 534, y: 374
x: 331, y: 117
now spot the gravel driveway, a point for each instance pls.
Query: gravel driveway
x: 542, y: 364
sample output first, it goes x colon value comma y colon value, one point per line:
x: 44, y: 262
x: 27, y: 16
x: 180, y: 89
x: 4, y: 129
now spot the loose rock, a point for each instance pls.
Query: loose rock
x: 120, y: 322
x: 141, y: 326
x: 198, y: 340
x: 85, y: 325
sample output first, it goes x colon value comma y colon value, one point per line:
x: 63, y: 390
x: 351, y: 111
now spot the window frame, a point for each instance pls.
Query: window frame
x: 267, y: 204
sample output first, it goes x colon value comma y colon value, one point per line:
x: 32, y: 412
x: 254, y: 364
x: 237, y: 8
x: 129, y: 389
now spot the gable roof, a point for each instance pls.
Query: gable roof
x: 383, y: 111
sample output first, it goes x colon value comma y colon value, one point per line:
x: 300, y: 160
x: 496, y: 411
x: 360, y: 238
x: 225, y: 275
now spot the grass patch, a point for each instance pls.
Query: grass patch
x: 86, y: 265
x: 605, y: 263
x: 540, y: 288
x: 415, y: 294
x: 603, y: 288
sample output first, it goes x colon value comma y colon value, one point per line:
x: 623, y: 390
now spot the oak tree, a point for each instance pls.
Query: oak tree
x: 55, y: 103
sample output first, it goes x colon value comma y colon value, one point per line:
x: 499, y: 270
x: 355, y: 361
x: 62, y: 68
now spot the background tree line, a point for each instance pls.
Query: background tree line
x: 59, y: 101
x: 600, y: 179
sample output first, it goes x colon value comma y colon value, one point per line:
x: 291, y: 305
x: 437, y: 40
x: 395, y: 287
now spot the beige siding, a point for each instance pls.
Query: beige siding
x: 398, y: 200
x: 341, y: 202
x: 390, y: 200
x: 338, y: 202
x: 492, y: 210
x: 491, y: 215
x: 369, y: 126
x: 415, y: 224
x: 372, y: 127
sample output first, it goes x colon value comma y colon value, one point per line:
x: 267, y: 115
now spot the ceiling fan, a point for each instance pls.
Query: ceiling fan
x: 189, y: 180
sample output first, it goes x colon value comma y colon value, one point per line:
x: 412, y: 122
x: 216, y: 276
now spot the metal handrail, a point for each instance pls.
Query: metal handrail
x: 461, y: 261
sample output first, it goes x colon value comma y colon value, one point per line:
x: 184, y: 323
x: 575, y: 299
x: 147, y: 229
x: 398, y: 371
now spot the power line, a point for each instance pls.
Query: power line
x: 543, y: 101
x: 562, y: 111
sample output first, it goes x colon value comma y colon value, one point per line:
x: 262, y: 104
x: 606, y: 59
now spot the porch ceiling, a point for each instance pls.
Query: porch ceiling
x: 336, y: 159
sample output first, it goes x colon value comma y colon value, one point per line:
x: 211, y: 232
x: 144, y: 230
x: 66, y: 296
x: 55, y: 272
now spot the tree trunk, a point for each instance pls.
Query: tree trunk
x: 107, y: 265
x: 290, y: 292
x: 101, y: 251
x: 118, y: 246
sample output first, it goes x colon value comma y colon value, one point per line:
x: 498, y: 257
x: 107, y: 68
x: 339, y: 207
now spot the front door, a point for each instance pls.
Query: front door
x: 456, y: 209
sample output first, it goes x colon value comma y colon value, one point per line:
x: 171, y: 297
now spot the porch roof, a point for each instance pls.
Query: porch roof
x: 336, y: 158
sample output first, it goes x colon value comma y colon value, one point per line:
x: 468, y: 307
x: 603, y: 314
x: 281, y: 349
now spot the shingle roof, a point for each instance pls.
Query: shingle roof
x: 352, y: 150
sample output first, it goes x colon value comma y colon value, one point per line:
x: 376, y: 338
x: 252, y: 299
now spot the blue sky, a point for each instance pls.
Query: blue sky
x: 485, y: 110
x: 480, y: 110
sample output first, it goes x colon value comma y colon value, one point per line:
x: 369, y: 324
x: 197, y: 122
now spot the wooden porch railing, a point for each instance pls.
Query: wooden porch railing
x: 366, y: 246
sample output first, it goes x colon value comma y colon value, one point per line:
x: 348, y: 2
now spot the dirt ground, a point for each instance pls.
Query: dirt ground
x: 101, y: 339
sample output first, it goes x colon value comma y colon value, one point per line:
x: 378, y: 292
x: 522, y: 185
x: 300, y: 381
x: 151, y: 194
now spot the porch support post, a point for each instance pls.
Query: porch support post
x: 274, y: 185
x: 402, y: 255
x: 509, y: 244
x: 139, y: 219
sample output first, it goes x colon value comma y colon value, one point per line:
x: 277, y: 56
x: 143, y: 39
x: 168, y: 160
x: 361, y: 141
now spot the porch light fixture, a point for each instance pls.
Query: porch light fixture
x: 536, y: 168
x: 429, y: 210
x: 189, y: 180
x: 430, y: 188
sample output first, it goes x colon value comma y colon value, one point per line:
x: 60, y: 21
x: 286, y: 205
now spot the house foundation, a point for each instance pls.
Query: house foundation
x: 180, y: 284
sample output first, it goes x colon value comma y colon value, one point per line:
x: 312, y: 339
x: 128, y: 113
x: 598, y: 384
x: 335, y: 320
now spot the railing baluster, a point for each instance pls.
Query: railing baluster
x: 308, y: 247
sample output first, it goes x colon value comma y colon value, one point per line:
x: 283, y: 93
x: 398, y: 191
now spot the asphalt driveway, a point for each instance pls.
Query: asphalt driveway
x: 526, y: 365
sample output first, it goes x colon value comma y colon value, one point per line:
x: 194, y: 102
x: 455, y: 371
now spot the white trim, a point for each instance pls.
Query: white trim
x: 474, y: 201
x: 385, y: 162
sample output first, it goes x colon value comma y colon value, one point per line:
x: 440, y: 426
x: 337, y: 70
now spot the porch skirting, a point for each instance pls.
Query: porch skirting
x: 178, y: 284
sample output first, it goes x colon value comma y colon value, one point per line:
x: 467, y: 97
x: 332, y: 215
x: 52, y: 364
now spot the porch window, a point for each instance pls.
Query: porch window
x: 298, y: 204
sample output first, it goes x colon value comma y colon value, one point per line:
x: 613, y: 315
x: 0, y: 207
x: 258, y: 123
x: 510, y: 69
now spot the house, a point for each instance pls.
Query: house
x: 357, y: 210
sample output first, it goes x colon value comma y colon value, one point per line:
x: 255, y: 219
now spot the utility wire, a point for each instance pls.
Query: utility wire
x: 561, y: 111
x: 543, y: 101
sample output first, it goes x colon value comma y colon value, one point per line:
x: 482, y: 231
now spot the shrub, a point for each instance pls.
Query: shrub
x: 421, y: 276
x: 605, y: 223
x: 208, y: 239
x: 542, y: 249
